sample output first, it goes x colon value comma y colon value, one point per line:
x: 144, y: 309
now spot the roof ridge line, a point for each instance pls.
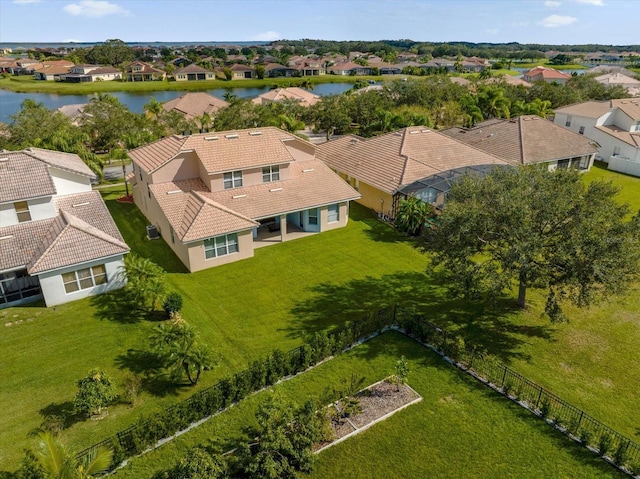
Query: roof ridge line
x: 90, y: 229
x: 519, y: 119
x: 53, y: 242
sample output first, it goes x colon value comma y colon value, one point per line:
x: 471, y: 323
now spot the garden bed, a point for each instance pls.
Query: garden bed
x: 377, y: 402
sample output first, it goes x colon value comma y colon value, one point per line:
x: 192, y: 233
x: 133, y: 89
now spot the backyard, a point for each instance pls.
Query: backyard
x: 246, y: 309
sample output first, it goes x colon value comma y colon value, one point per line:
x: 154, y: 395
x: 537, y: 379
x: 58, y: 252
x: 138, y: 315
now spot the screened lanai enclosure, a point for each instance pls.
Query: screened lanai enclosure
x: 433, y: 189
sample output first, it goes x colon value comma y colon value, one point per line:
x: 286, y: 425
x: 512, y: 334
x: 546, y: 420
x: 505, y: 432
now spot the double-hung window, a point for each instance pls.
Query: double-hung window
x: 333, y: 213
x: 22, y: 211
x: 313, y: 216
x: 84, y: 278
x: 270, y: 173
x: 232, y: 179
x: 220, y: 246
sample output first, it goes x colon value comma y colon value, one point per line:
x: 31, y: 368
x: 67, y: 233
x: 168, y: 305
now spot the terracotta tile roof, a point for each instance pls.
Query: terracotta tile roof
x: 82, y: 231
x: 632, y: 139
x: 193, y: 68
x: 595, y: 109
x: 240, y: 149
x: 546, y: 73
x: 525, y: 140
x: 72, y: 111
x: 616, y: 79
x: 589, y: 109
x: 300, y: 95
x: 509, y: 80
x: 389, y: 161
x: 237, y: 67
x: 22, y: 176
x: 146, y: 68
x: 18, y: 243
x: 156, y: 154
x: 64, y: 161
x: 103, y: 70
x: 194, y: 104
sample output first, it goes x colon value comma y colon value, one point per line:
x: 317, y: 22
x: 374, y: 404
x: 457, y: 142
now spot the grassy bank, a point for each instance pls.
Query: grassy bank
x: 545, y: 63
x: 25, y: 84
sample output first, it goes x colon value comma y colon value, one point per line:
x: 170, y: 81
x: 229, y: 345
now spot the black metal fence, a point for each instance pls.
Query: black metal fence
x: 599, y: 438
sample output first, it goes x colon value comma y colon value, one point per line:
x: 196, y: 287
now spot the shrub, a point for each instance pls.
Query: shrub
x: 545, y: 409
x: 53, y: 423
x: 621, y: 454
x: 586, y: 436
x: 198, y: 463
x: 95, y: 392
x: 350, y: 407
x: 172, y: 303
x: 604, y: 445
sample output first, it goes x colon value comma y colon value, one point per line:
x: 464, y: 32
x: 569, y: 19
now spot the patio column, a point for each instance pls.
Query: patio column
x: 283, y: 228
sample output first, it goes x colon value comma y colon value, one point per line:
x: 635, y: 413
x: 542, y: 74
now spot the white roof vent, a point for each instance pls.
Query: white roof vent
x: 308, y: 170
x: 173, y: 192
x: 80, y: 204
x: 275, y: 189
x: 235, y: 197
x: 210, y: 138
x: 6, y: 237
x: 255, y: 133
x: 232, y: 136
x: 4, y: 159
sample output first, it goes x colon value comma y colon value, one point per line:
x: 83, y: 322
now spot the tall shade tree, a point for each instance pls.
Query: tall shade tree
x: 106, y: 121
x: 537, y: 228
x: 62, y: 463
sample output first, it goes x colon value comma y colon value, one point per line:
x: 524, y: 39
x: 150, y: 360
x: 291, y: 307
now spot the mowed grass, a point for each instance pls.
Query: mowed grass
x: 287, y: 291
x: 459, y: 429
x: 242, y: 311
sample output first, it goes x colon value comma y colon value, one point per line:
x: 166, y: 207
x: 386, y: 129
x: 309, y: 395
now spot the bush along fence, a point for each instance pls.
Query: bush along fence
x: 614, y: 447
x: 150, y: 431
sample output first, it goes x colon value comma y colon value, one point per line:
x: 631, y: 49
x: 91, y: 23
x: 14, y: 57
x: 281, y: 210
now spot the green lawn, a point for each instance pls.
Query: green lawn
x: 245, y: 309
x: 545, y: 63
x: 460, y: 429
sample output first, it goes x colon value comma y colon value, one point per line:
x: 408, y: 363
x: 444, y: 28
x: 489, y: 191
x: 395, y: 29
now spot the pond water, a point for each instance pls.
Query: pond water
x: 10, y: 101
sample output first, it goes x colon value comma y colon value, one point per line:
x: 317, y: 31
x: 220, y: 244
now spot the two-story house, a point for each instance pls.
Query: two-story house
x: 613, y: 124
x: 57, y: 238
x: 142, y: 71
x: 90, y: 73
x: 527, y: 140
x: 215, y: 197
x: 193, y: 72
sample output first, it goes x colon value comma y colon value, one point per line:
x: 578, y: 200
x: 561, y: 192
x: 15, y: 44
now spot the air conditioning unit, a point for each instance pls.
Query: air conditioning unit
x: 152, y: 232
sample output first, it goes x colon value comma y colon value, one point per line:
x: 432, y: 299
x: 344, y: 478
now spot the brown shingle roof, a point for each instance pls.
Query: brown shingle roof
x: 297, y: 94
x: 18, y: 243
x: 389, y: 161
x: 65, y: 161
x: 156, y: 154
x: 526, y: 139
x: 632, y: 139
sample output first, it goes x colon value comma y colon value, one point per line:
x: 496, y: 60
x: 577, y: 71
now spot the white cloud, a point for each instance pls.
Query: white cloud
x: 553, y: 21
x: 598, y: 3
x: 552, y: 4
x: 266, y: 36
x: 24, y: 2
x: 94, y: 9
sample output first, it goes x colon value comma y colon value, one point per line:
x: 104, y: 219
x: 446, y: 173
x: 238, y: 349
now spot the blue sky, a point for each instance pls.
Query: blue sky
x: 526, y: 21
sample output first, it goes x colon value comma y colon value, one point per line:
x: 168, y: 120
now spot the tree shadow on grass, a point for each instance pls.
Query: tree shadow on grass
x: 117, y: 306
x: 148, y: 365
x: 485, y: 325
x: 376, y: 229
x: 65, y: 411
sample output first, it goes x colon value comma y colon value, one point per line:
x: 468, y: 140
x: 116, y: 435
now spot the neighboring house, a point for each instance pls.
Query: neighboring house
x: 381, y: 166
x: 509, y: 80
x: 440, y: 64
x: 548, y: 75
x: 57, y: 238
x: 90, y: 73
x: 48, y: 70
x: 194, y: 105
x: 618, y: 79
x: 602, y: 69
x: 529, y: 139
x: 349, y: 68
x: 242, y: 72
x: 299, y: 95
x: 276, y: 70
x: 216, y: 197
x: 73, y: 111
x: 613, y: 124
x: 386, y: 68
x: 141, y: 71
x: 193, y: 72
x: 311, y: 68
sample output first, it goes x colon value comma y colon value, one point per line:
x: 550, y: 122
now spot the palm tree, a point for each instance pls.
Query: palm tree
x: 230, y: 97
x: 62, y: 463
x: 205, y: 122
x: 289, y: 123
x: 412, y: 215
x: 493, y: 102
x: 153, y: 109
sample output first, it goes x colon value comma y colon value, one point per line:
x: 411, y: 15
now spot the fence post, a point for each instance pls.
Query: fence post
x: 539, y: 397
x: 504, y: 375
x: 580, y: 419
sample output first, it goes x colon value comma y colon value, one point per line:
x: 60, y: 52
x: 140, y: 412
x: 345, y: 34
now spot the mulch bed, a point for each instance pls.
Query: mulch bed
x: 378, y: 401
x: 125, y: 199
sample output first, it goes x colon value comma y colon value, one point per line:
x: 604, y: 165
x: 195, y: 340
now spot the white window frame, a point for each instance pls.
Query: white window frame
x: 270, y: 173
x: 232, y: 179
x: 222, y: 245
x: 85, y: 278
x: 313, y: 216
x: 333, y: 216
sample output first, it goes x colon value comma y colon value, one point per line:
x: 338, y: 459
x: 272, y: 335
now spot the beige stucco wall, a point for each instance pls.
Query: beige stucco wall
x: 250, y: 177
x: 343, y: 218
x: 375, y: 199
x: 198, y: 262
x: 182, y: 168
